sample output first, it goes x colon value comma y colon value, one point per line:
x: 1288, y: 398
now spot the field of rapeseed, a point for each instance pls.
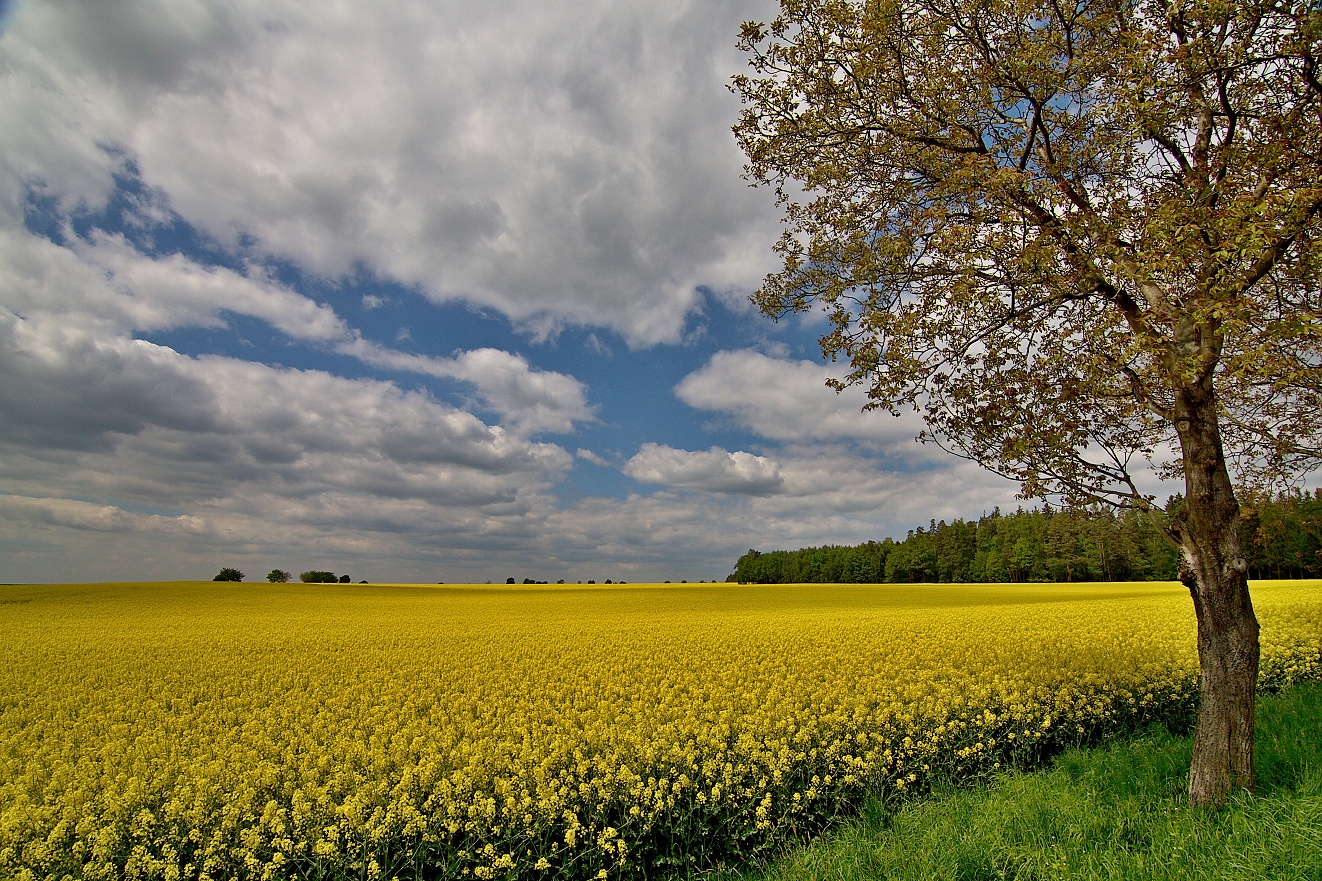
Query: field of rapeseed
x: 332, y: 731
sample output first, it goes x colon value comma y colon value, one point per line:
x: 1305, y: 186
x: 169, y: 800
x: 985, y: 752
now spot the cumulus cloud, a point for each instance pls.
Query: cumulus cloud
x: 837, y: 480
x: 129, y: 419
x: 174, y: 291
x: 714, y: 470
x: 559, y: 163
x: 787, y: 400
x: 528, y: 400
x: 106, y: 278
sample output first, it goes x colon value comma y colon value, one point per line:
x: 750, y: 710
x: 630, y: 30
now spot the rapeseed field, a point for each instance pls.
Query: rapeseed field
x: 215, y: 731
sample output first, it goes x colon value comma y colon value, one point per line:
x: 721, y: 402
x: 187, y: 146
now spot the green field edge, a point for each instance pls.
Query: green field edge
x: 1117, y: 810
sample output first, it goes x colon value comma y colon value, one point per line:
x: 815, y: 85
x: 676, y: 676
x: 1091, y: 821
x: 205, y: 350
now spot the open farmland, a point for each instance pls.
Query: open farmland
x: 211, y: 730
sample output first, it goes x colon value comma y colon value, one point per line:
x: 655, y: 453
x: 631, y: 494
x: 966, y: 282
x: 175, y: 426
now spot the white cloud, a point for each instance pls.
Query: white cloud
x: 174, y: 291
x: 835, y: 480
x: 714, y: 470
x: 532, y: 400
x: 786, y: 400
x: 528, y: 400
x: 559, y: 163
x: 107, y: 279
x: 589, y: 456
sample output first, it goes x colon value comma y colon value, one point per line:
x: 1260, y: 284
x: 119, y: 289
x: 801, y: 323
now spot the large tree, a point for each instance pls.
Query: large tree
x: 1082, y: 238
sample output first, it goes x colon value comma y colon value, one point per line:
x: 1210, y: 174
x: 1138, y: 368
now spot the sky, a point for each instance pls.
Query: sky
x: 422, y: 291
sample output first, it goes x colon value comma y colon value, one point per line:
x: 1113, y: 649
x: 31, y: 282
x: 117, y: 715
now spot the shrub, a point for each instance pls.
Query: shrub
x: 228, y: 574
x: 317, y: 576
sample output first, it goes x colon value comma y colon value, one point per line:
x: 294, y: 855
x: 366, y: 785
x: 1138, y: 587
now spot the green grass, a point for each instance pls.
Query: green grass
x: 1117, y: 811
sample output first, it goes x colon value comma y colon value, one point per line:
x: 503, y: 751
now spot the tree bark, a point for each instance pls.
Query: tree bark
x: 1215, y: 570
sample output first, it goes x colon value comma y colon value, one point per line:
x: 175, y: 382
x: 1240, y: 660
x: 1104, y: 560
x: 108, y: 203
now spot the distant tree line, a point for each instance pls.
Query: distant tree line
x: 280, y: 576
x: 1282, y: 538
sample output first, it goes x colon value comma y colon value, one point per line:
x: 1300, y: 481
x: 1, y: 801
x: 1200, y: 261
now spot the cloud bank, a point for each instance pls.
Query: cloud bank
x: 561, y: 164
x: 210, y: 214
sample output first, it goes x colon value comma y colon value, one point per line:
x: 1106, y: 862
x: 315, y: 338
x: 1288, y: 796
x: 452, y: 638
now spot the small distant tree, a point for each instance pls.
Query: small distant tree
x: 228, y: 574
x: 509, y: 580
x: 345, y: 579
x: 277, y: 576
x: 317, y: 576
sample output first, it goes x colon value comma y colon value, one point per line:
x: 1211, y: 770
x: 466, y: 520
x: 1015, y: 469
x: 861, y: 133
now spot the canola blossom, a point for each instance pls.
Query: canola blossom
x: 215, y: 731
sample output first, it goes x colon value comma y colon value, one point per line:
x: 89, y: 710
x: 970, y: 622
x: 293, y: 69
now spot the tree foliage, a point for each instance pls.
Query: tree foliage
x: 277, y: 576
x: 318, y: 576
x: 228, y: 574
x: 1284, y: 537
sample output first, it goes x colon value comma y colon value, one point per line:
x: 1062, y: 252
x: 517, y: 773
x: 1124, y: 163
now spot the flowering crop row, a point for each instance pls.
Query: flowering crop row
x: 188, y: 731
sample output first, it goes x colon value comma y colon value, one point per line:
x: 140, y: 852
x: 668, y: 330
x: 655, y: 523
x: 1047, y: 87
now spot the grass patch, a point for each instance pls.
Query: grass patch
x: 1117, y: 811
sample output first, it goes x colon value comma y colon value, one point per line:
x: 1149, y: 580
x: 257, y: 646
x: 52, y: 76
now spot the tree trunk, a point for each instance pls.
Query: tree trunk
x: 1214, y: 568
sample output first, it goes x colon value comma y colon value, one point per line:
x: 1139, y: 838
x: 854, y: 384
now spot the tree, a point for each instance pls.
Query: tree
x: 228, y: 574
x: 317, y: 576
x: 1083, y: 240
x: 277, y: 576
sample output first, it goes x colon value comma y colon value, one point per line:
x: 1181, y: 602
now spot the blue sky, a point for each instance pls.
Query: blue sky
x: 437, y: 291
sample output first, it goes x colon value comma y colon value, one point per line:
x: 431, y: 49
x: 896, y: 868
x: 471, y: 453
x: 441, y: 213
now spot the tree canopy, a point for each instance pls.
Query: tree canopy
x: 1083, y: 207
x: 1083, y: 240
